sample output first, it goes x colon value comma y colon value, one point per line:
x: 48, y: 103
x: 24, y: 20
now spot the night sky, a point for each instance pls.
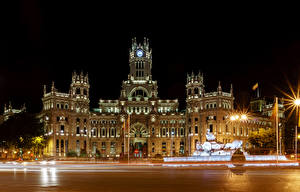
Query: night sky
x: 47, y: 41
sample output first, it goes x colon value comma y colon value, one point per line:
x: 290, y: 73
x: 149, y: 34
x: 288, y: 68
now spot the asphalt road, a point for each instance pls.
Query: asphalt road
x: 141, y: 178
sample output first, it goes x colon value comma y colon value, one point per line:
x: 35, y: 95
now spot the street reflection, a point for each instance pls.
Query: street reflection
x: 48, y: 177
x: 238, y: 171
x: 237, y: 179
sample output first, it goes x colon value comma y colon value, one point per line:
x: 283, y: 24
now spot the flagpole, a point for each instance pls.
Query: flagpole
x: 128, y: 126
x: 124, y: 135
x: 276, y: 125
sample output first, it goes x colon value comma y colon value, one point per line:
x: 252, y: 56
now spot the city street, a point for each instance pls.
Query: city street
x: 92, y: 177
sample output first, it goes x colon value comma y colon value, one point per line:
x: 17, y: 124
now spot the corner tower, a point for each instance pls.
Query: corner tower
x: 79, y: 92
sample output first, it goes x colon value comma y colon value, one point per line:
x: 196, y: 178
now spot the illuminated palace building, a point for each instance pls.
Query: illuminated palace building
x: 139, y: 121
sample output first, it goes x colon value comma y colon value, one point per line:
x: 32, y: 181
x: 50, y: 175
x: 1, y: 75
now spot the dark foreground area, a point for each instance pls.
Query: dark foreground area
x: 151, y: 179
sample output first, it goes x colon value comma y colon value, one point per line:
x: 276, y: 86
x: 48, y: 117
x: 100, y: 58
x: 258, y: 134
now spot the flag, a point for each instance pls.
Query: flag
x: 255, y: 86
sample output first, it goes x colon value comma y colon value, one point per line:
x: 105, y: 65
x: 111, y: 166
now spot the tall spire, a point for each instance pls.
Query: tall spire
x: 219, y: 88
x: 52, y: 87
x: 9, y: 106
x: 231, y: 90
x: 45, y: 90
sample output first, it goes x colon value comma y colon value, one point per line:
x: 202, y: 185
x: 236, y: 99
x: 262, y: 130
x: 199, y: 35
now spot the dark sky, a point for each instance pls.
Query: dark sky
x: 48, y: 40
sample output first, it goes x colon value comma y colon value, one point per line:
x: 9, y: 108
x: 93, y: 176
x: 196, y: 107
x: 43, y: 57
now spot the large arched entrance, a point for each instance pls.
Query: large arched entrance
x: 138, y: 140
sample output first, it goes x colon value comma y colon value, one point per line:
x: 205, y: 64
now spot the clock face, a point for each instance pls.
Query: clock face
x: 139, y: 53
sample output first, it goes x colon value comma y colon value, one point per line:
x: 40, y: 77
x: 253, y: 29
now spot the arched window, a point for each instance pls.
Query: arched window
x: 77, y: 90
x: 94, y: 131
x: 196, y: 129
x: 196, y: 91
x: 113, y: 132
x: 103, y: 132
x: 181, y: 132
x: 139, y: 93
x: 189, y: 91
x: 164, y: 131
x: 85, y: 92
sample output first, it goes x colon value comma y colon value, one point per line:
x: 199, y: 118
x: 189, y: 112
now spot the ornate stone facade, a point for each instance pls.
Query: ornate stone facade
x: 139, y: 121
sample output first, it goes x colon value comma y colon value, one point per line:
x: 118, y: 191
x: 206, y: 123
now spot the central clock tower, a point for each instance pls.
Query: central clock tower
x: 140, y: 60
x: 139, y: 82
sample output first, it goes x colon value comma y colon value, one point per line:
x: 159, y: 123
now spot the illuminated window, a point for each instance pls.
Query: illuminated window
x: 62, y: 128
x: 164, y: 131
x: 164, y: 147
x: 57, y: 146
x: 181, y: 149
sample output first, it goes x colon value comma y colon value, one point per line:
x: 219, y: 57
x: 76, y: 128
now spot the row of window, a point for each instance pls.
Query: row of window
x: 62, y: 106
x: 139, y: 65
x: 78, y: 91
x: 214, y: 105
x: 167, y: 132
x: 139, y: 73
x: 172, y: 122
x: 195, y: 91
x: 138, y: 109
x: 62, y: 146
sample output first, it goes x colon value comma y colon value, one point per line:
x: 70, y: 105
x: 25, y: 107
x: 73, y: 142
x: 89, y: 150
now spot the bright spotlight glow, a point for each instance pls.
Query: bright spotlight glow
x: 52, y: 162
x: 297, y: 102
x: 237, y: 116
x: 43, y: 162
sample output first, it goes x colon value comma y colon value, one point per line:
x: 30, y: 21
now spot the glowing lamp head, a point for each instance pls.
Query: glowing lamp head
x: 232, y: 118
x: 297, y: 102
x: 243, y: 117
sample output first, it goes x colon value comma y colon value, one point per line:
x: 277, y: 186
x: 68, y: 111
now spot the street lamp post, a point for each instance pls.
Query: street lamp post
x: 239, y: 118
x: 297, y: 104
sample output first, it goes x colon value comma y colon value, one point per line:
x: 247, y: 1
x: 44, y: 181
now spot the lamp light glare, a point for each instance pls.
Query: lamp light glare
x: 297, y: 102
x: 243, y: 117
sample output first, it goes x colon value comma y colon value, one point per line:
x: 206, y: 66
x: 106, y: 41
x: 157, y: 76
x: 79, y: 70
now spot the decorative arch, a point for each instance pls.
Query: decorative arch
x: 138, y: 130
x: 139, y: 91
